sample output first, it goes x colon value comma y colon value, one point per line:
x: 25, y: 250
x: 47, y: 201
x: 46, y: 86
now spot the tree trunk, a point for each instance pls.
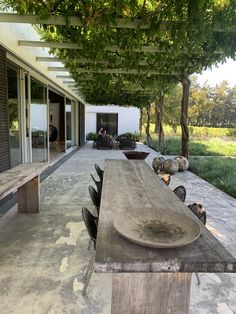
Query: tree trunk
x: 161, y: 130
x: 140, y: 123
x: 156, y: 118
x: 184, y: 115
x: 149, y: 139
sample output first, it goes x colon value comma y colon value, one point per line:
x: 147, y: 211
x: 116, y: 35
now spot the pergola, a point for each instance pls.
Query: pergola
x: 130, y: 52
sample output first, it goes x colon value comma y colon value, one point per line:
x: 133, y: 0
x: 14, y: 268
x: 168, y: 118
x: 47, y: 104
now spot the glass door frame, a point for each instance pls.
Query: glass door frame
x: 26, y: 105
x: 23, y: 115
x: 16, y: 68
x: 27, y: 70
x: 44, y: 83
x: 74, y: 124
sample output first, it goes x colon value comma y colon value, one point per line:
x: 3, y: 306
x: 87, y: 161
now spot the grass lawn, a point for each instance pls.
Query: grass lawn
x: 218, y: 168
x: 219, y: 171
x: 198, y: 147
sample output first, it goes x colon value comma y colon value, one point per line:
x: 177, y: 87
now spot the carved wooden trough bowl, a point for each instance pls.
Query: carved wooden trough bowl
x: 158, y: 228
x: 135, y: 154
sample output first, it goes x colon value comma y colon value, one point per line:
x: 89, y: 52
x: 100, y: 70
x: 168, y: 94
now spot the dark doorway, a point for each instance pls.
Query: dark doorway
x: 108, y: 121
x: 57, y: 120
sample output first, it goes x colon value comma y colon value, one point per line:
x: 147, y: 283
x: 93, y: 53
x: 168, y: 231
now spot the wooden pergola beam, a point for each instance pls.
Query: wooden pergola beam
x: 65, y: 76
x: 76, y: 21
x: 147, y: 91
x: 114, y: 48
x: 71, y: 77
x: 124, y: 71
x: 46, y: 44
x: 58, y: 69
x: 81, y: 61
x: 48, y: 59
x: 111, y: 71
x: 125, y: 23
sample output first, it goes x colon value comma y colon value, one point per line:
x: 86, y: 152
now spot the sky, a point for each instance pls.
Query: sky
x: 217, y: 74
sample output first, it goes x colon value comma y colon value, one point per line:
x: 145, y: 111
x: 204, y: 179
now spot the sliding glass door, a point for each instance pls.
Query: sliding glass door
x: 39, y: 121
x: 68, y: 123
x: 14, y: 116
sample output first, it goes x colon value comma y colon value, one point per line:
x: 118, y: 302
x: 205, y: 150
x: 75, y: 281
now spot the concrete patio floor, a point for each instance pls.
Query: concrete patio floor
x: 43, y: 255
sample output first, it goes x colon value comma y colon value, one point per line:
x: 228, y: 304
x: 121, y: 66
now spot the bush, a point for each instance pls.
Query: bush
x: 133, y: 136
x: 91, y: 136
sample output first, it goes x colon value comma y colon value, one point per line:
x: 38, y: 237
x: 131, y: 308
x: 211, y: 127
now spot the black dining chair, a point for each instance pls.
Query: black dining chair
x: 99, y: 171
x: 180, y: 192
x: 98, y: 185
x: 91, y: 223
x: 166, y: 178
x: 200, y: 212
x: 96, y: 199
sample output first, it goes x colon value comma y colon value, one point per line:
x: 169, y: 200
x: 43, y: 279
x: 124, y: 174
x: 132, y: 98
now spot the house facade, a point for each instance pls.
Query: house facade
x: 33, y: 100
x: 37, y: 96
x: 115, y: 119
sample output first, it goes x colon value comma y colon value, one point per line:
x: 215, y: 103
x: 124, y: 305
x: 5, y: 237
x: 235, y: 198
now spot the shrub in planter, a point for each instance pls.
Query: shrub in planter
x: 91, y: 136
x: 132, y: 136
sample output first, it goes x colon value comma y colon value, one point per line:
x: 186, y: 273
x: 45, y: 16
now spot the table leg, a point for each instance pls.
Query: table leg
x: 150, y: 293
x: 28, y: 196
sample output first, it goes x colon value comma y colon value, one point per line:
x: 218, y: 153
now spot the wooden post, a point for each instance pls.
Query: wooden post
x: 28, y: 196
x: 184, y: 115
x: 156, y: 118
x: 149, y: 139
x: 140, y: 122
x: 161, y: 130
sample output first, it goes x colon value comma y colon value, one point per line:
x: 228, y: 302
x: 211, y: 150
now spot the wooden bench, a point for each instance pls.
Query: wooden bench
x: 25, y: 180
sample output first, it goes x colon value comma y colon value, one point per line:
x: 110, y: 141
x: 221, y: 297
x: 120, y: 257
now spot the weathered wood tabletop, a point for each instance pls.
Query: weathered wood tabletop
x: 130, y: 184
x: 24, y: 179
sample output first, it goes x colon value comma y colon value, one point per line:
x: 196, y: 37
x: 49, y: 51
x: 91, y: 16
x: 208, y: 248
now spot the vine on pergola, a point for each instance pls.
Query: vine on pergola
x: 115, y: 59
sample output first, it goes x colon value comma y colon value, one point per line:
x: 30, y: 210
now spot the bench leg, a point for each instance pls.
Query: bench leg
x: 28, y: 196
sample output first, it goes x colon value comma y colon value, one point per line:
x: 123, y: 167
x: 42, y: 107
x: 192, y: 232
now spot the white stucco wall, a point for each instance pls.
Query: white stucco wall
x: 128, y: 117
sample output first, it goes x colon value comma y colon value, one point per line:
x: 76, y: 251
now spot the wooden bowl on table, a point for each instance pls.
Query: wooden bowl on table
x: 135, y: 154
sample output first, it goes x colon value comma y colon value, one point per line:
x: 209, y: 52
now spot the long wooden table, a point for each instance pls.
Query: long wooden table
x: 149, y: 280
x: 25, y: 180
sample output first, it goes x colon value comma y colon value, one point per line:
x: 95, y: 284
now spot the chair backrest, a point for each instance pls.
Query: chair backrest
x: 199, y: 211
x: 99, y: 172
x: 166, y: 178
x: 94, y: 197
x: 180, y: 192
x: 98, y: 185
x: 90, y: 222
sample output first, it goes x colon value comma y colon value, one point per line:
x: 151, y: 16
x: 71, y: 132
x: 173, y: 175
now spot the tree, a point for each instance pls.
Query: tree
x: 184, y: 114
x: 174, y: 39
